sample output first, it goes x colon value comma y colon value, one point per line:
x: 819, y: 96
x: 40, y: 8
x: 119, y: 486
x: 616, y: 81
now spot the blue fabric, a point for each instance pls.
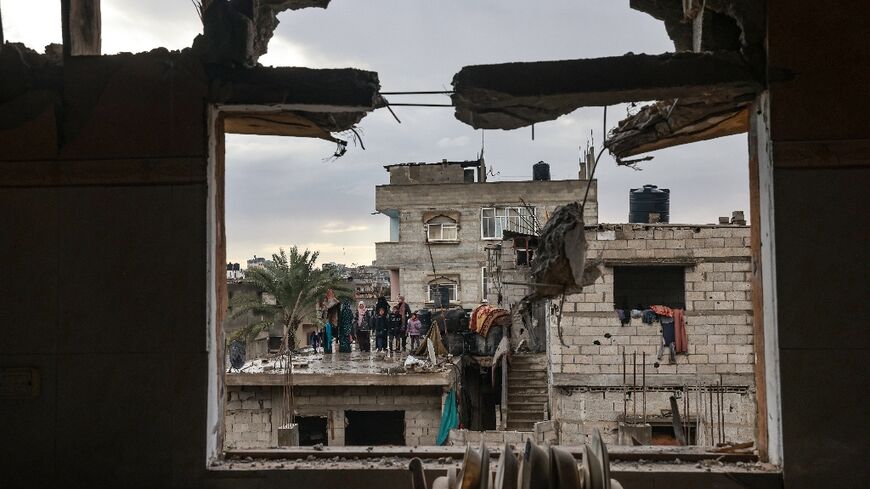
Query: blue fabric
x: 327, y: 338
x: 449, y: 418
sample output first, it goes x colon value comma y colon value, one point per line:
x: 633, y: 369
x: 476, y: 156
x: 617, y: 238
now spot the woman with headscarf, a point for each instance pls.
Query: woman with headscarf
x: 361, y: 327
x: 345, y: 327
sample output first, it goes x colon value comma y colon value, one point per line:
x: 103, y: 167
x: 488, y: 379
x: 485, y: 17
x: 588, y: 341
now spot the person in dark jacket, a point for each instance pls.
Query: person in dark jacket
x: 361, y: 327
x: 404, y: 312
x: 395, y: 329
x: 380, y: 326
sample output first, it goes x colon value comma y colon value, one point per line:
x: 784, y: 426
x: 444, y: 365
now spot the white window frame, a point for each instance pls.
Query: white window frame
x: 442, y: 226
x: 454, y: 286
x: 503, y: 220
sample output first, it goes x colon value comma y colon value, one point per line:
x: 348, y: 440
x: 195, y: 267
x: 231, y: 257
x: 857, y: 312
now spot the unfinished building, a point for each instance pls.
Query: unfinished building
x: 118, y: 160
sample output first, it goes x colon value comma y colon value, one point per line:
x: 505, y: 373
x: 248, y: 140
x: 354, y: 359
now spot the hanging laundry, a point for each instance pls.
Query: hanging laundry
x: 680, y: 334
x: 624, y: 318
x: 478, y: 315
x: 649, y: 317
x: 485, y: 316
x: 662, y: 310
x: 636, y: 314
x: 668, y: 339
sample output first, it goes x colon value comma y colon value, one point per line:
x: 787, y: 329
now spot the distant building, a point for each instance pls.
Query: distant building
x: 257, y: 261
x: 234, y: 272
x: 444, y: 215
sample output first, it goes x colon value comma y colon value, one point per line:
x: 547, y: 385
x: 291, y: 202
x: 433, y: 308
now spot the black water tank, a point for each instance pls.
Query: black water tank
x: 649, y: 199
x: 541, y: 171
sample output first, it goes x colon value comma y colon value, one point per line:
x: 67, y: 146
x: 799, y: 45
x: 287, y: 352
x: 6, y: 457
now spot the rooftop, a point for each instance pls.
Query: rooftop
x: 355, y: 368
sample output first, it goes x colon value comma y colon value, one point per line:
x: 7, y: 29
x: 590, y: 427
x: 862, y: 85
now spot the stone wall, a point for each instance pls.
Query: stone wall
x: 252, y: 412
x: 586, y: 340
x: 545, y: 432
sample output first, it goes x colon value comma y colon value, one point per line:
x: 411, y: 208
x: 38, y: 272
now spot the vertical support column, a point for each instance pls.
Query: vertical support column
x: 768, y: 333
x: 757, y: 289
x: 81, y: 27
x: 394, y: 285
x: 216, y: 286
x: 504, y: 392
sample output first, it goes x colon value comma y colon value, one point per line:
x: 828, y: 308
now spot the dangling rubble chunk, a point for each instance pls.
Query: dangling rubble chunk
x: 560, y: 263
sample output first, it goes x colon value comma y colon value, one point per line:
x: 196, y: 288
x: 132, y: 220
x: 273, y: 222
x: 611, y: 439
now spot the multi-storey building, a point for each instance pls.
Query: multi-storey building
x: 444, y: 216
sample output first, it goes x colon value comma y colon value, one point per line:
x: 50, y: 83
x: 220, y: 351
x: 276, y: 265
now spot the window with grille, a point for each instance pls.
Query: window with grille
x: 452, y: 290
x: 494, y: 221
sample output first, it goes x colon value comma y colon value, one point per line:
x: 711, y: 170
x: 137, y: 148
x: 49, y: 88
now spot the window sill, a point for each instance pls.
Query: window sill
x: 443, y: 241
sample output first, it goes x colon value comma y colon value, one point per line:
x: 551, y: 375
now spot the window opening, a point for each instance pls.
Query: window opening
x: 312, y: 430
x: 442, y: 229
x: 494, y: 221
x: 638, y: 287
x: 373, y: 428
x: 434, y: 289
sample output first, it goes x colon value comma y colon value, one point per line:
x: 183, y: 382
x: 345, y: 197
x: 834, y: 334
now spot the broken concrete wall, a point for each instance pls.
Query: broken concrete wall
x: 718, y: 318
x: 251, y: 411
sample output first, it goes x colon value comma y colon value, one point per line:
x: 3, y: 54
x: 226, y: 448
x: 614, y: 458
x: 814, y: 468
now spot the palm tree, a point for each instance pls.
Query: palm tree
x: 290, y: 287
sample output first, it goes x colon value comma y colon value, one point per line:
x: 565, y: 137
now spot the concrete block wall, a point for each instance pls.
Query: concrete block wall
x: 248, y: 418
x: 545, y: 432
x: 580, y: 411
x: 253, y: 412
x: 586, y: 348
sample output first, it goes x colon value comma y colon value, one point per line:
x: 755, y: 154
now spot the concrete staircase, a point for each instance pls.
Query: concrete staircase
x: 527, y: 391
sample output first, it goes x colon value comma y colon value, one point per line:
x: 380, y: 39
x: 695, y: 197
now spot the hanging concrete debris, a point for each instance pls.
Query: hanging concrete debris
x: 679, y: 121
x: 559, y: 265
x: 513, y: 95
x: 237, y: 33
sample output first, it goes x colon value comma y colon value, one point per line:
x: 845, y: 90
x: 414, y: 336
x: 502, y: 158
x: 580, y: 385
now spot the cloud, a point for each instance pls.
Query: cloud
x: 457, y: 142
x: 346, y: 229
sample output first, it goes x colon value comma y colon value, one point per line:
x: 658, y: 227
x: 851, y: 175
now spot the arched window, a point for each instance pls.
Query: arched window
x: 442, y: 228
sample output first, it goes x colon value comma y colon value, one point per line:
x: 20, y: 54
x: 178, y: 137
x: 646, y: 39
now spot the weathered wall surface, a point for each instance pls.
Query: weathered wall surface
x: 718, y: 324
x: 465, y: 258
x: 581, y: 410
x: 104, y: 196
x: 253, y: 413
x: 815, y: 165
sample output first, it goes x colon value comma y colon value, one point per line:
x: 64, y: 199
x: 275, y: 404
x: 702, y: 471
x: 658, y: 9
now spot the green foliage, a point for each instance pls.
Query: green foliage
x: 296, y: 285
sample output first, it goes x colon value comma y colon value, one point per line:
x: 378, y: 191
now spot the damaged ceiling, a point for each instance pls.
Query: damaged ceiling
x: 221, y: 68
x: 680, y: 121
x: 513, y: 95
x: 703, y: 89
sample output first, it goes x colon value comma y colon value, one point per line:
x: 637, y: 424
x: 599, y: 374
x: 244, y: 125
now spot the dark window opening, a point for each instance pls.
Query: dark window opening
x: 641, y: 287
x: 312, y: 430
x: 372, y: 428
x: 663, y: 434
x: 525, y: 247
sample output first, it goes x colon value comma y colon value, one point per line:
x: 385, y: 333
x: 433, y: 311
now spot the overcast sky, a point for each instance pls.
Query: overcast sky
x: 286, y: 191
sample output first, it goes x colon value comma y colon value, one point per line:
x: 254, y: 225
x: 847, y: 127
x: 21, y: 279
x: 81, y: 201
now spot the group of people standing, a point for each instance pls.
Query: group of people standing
x: 389, y: 327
